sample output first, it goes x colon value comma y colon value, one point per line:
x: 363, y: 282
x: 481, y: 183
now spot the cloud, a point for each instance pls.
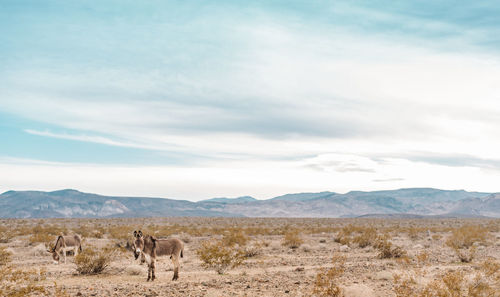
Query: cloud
x: 453, y: 160
x: 88, y: 138
x: 340, y: 162
x: 319, y: 94
x: 341, y: 91
x: 389, y: 179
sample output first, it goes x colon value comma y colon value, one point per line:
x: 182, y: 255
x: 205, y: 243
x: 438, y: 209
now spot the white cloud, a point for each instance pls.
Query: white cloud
x: 88, y: 138
x: 298, y: 109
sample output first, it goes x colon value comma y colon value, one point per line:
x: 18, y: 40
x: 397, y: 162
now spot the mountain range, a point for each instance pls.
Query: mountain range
x: 411, y: 202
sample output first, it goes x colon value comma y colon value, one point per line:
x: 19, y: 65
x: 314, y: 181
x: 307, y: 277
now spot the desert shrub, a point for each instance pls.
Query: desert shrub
x: 344, y: 235
x: 362, y: 236
x: 366, y: 237
x: 462, y: 241
x: 97, y: 234
x: 387, y: 250
x: 327, y: 280
x: 60, y: 292
x: 235, y: 236
x: 120, y: 232
x: 91, y: 261
x: 451, y: 284
x: 84, y: 231
x: 342, y: 239
x: 257, y: 231
x: 422, y: 258
x: 405, y: 286
x: 5, y: 256
x: 465, y: 255
x: 254, y: 249
x: 414, y: 232
x: 20, y: 283
x: 292, y: 239
x: 466, y: 236
x: 216, y: 255
x: 251, y: 251
x: 53, y: 230
x: 5, y: 235
x: 491, y: 268
x: 42, y: 237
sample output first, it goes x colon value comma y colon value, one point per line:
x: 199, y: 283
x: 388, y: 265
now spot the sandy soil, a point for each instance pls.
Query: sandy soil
x: 276, y: 271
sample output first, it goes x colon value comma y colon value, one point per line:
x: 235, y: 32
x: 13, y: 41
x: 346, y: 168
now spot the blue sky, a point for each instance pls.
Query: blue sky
x: 201, y: 99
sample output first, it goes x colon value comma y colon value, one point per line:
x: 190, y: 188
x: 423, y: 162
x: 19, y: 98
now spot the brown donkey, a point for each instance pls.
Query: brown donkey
x: 150, y: 247
x: 64, y: 244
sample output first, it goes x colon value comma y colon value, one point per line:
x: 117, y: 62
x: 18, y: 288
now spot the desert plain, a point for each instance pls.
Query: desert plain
x: 258, y: 257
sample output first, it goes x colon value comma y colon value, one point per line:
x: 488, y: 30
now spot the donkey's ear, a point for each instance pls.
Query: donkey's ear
x: 139, y: 233
x: 135, y: 233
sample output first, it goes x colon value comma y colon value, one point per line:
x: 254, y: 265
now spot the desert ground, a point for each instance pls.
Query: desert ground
x: 271, y: 257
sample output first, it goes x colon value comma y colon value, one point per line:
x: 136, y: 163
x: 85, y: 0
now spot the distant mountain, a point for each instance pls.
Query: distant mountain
x: 75, y: 204
x: 303, y: 196
x: 231, y: 200
x: 413, y: 202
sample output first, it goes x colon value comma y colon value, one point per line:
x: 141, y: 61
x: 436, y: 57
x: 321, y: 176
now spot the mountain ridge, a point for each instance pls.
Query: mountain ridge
x: 67, y: 203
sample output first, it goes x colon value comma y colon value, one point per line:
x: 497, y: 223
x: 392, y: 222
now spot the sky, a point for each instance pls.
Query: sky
x: 200, y: 99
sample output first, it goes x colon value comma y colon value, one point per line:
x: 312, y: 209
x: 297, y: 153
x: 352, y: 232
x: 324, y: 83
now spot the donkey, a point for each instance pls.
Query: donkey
x: 64, y: 244
x: 150, y: 247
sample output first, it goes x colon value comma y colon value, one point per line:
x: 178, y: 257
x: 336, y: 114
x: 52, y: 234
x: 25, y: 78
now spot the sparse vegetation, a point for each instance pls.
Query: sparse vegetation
x: 463, y: 239
x: 327, y: 280
x: 20, y: 283
x: 92, y: 261
x: 235, y: 237
x: 5, y: 235
x: 5, y: 256
x: 377, y: 249
x: 466, y: 236
x: 216, y: 255
x: 387, y: 250
x: 41, y: 237
x: 292, y: 239
x: 361, y: 236
x: 422, y: 258
x: 451, y: 284
x: 60, y: 292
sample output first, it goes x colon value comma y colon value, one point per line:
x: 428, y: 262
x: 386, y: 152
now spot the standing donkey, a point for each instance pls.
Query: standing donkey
x: 64, y: 244
x: 150, y: 247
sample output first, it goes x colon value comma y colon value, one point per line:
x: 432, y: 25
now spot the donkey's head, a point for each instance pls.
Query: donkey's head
x: 55, y: 255
x: 138, y: 245
x: 53, y: 250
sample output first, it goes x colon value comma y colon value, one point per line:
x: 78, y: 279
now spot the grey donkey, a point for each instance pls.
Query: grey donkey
x: 65, y: 244
x: 150, y: 247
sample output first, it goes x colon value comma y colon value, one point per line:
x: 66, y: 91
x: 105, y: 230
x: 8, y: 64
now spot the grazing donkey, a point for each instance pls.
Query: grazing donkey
x: 150, y: 247
x: 64, y: 244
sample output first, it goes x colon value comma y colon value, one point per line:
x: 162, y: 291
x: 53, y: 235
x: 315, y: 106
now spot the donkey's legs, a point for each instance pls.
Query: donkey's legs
x: 149, y: 272
x: 64, y: 252
x: 175, y: 261
x: 153, y: 270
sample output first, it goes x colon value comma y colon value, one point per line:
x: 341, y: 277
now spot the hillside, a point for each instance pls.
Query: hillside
x: 414, y: 202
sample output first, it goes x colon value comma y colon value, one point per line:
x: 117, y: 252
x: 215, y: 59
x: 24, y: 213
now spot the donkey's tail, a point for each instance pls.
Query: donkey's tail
x: 182, y: 252
x: 80, y: 248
